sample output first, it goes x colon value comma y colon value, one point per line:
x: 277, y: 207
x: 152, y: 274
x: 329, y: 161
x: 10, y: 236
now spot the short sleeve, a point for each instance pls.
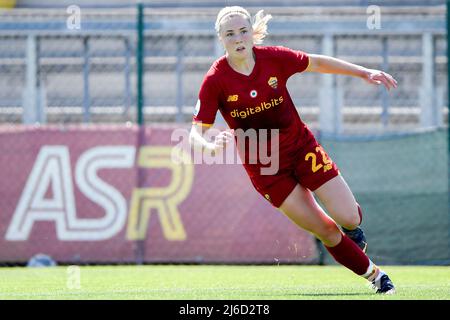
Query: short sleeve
x: 293, y: 61
x: 207, y: 103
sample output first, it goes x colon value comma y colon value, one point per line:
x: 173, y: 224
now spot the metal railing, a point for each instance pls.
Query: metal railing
x: 98, y: 64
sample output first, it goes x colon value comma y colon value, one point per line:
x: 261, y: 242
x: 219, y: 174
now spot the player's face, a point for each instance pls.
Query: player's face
x: 236, y: 35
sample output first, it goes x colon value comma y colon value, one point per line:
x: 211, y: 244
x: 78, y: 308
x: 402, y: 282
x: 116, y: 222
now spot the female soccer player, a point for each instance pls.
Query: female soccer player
x: 248, y: 86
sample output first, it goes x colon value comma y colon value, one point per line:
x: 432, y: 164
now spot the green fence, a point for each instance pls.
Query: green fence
x: 401, y: 183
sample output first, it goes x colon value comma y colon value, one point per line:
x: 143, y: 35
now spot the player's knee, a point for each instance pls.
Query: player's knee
x: 352, y: 219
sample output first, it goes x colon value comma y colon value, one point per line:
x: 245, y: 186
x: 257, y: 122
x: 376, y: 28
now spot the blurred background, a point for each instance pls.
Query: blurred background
x: 72, y: 73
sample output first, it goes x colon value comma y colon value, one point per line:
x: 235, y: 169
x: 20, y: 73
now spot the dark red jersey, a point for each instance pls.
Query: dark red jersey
x: 257, y: 101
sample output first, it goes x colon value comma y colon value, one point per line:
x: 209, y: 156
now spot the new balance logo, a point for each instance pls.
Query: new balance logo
x: 232, y: 98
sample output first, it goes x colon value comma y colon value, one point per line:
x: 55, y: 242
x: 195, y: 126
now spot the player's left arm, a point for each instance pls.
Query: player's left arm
x: 327, y: 64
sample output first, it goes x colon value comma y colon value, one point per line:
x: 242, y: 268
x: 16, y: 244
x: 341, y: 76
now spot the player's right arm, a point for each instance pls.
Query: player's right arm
x: 204, y: 117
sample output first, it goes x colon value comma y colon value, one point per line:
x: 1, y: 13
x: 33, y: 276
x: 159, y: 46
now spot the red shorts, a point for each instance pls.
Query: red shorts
x: 313, y: 168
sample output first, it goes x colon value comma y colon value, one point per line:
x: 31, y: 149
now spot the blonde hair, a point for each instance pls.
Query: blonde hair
x: 258, y: 22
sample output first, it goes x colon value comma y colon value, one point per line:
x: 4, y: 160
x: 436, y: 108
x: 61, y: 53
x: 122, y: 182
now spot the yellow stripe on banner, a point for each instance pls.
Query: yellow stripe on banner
x: 161, y: 200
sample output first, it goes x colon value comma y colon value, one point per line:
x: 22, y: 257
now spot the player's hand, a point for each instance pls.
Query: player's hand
x: 380, y: 77
x: 222, y: 139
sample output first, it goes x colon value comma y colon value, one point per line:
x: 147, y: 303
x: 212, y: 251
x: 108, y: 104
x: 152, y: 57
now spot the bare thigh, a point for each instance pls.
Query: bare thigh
x: 339, y: 202
x: 301, y: 207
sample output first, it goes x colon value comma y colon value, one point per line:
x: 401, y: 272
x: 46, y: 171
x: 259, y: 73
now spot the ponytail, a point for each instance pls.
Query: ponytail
x: 259, y: 26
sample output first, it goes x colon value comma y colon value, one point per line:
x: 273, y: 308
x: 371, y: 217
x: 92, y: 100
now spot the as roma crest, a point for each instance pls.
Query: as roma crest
x: 273, y: 82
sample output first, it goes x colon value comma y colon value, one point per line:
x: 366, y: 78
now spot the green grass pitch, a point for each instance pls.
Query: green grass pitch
x: 211, y: 282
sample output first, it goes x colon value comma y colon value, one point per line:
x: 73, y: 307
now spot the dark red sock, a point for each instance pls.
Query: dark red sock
x: 360, y: 213
x: 350, y: 255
